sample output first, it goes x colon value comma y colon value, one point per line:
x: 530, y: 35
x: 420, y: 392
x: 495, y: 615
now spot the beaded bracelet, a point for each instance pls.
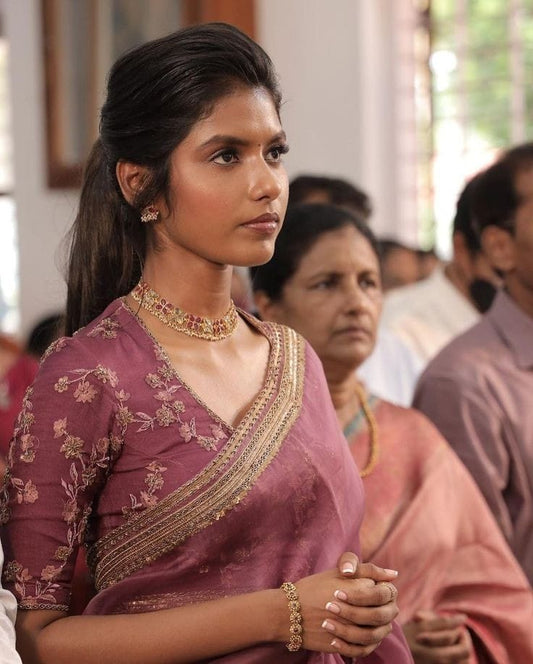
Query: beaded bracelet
x: 295, y: 617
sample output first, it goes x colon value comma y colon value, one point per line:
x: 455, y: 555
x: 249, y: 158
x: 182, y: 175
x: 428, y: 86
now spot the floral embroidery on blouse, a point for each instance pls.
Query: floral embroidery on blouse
x: 44, y: 589
x: 83, y: 473
x: 106, y: 328
x: 87, y: 457
x: 154, y: 482
x: 172, y: 409
x: 54, y: 347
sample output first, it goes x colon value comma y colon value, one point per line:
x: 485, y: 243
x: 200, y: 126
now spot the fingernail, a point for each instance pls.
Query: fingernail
x: 348, y: 568
x: 334, y: 608
x: 340, y: 594
x: 394, y: 572
x: 329, y: 626
x: 335, y: 644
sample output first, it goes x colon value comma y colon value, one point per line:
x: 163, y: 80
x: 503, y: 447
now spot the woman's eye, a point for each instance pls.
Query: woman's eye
x: 368, y: 282
x: 277, y: 152
x: 325, y: 284
x: 226, y: 157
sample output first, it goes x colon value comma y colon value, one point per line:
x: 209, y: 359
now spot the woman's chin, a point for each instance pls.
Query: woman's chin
x: 260, y: 256
x: 353, y: 358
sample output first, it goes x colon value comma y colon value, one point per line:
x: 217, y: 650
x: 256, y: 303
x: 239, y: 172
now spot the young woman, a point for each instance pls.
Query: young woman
x: 463, y: 595
x: 181, y: 440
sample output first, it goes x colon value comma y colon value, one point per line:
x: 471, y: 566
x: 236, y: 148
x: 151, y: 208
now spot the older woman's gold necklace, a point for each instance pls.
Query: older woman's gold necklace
x: 211, y: 329
x: 373, y: 454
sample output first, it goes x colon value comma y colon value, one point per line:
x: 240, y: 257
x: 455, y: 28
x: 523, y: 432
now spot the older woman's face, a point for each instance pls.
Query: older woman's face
x: 334, y: 298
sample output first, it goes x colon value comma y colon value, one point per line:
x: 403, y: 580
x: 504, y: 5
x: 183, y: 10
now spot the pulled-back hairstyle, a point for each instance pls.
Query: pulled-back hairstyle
x: 304, y: 224
x: 494, y: 199
x: 155, y: 94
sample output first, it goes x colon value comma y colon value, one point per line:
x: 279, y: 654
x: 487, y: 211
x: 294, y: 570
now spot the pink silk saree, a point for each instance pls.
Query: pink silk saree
x: 176, y: 506
x: 425, y: 517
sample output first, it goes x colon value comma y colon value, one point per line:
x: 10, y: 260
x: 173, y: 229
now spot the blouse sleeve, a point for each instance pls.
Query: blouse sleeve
x: 66, y: 438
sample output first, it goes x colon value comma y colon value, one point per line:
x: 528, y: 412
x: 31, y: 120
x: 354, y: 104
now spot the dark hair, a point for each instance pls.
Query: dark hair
x: 303, y: 226
x: 155, y: 94
x: 42, y: 334
x: 335, y: 190
x: 464, y: 220
x: 388, y: 244
x: 495, y: 199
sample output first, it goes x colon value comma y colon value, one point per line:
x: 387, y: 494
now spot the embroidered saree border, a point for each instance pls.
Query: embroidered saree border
x: 222, y: 484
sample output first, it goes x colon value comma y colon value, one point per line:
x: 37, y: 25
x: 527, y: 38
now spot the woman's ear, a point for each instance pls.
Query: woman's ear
x: 499, y: 248
x: 131, y: 178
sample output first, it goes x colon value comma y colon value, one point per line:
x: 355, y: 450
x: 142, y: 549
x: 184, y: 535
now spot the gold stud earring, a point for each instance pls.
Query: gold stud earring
x: 149, y: 213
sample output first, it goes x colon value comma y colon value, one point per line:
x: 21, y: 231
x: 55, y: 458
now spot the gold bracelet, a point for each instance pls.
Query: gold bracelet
x: 295, y: 617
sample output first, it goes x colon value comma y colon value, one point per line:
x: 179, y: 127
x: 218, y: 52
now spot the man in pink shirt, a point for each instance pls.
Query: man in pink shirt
x: 479, y: 389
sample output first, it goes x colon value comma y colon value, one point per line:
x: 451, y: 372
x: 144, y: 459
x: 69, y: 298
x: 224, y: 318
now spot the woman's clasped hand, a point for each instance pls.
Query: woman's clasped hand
x: 437, y: 638
x: 348, y: 610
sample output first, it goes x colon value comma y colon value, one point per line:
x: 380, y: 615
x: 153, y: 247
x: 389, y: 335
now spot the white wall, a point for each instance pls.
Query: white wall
x: 336, y: 63
x: 43, y: 215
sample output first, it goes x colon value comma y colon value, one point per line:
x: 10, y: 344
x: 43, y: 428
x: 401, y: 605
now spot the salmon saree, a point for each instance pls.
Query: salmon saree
x: 176, y: 506
x: 425, y: 517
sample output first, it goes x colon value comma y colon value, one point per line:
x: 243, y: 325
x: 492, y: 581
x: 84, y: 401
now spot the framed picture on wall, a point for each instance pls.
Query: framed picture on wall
x: 82, y: 39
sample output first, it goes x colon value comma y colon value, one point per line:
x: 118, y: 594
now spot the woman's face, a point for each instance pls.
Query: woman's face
x: 228, y: 185
x: 334, y: 298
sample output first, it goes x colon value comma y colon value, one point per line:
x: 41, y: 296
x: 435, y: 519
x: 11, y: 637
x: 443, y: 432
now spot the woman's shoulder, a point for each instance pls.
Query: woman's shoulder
x: 410, y: 426
x: 94, y: 343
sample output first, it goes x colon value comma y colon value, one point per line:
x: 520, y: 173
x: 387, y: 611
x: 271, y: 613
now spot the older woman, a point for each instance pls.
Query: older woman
x: 463, y: 596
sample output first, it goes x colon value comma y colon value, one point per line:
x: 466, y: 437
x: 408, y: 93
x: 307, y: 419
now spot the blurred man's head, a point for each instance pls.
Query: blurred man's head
x: 399, y: 264
x: 470, y: 270
x: 502, y: 207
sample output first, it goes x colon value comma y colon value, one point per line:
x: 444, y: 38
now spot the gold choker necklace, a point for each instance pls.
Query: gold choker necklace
x: 211, y: 329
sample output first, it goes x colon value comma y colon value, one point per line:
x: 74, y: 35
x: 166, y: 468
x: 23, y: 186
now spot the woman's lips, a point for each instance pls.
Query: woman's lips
x: 354, y: 331
x: 265, y: 223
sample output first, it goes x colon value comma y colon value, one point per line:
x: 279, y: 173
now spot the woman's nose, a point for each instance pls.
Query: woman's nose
x: 353, y: 295
x: 266, y: 182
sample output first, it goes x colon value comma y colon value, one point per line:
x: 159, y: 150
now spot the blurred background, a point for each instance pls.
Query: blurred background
x: 406, y: 98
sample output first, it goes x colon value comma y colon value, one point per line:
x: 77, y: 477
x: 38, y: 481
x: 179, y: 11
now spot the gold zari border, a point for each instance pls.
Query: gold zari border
x: 223, y: 483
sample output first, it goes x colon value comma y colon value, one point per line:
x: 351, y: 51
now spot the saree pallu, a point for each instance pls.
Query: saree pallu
x: 177, y: 506
x: 425, y: 517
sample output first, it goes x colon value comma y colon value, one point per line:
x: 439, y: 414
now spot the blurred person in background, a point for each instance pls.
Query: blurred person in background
x: 392, y: 369
x: 428, y: 314
x: 428, y: 261
x: 463, y: 596
x: 8, y: 612
x: 479, y: 389
x: 309, y: 188
x: 17, y: 371
x: 400, y: 264
x: 43, y: 333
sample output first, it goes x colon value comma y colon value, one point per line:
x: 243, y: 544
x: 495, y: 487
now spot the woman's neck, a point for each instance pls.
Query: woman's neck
x: 196, y: 286
x: 342, y: 388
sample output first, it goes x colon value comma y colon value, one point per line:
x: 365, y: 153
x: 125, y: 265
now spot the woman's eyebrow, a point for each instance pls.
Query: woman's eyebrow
x: 227, y: 139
